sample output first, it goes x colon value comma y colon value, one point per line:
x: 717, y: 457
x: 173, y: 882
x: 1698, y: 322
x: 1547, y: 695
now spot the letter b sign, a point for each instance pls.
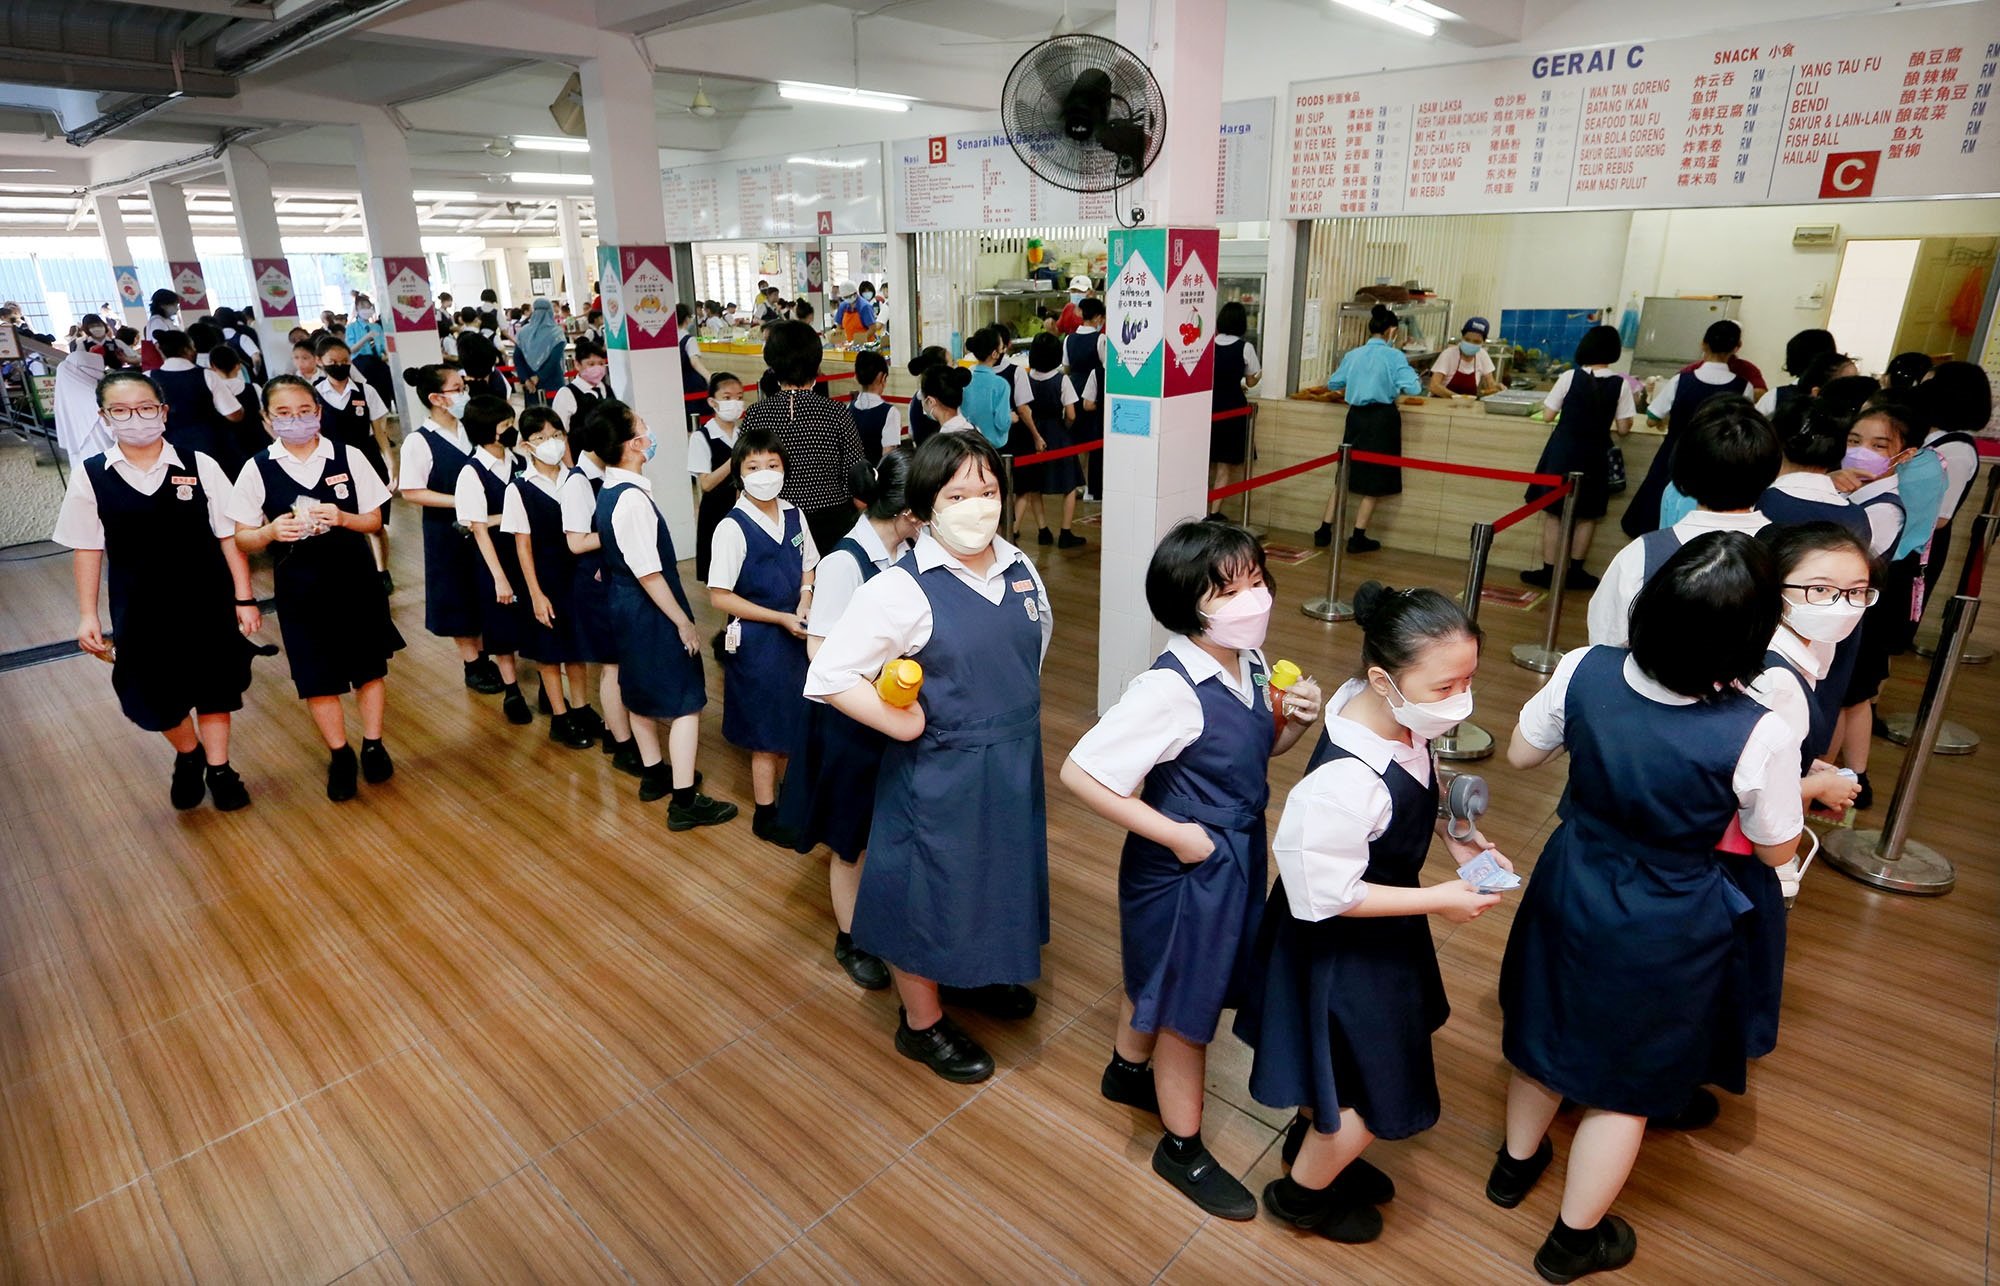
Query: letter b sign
x: 1848, y: 175
x: 939, y: 155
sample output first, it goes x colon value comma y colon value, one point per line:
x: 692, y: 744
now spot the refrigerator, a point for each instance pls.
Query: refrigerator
x: 1670, y: 330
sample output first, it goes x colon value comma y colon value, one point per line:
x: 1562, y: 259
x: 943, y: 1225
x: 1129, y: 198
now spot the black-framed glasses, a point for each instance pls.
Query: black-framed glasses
x: 1827, y: 595
x: 125, y: 414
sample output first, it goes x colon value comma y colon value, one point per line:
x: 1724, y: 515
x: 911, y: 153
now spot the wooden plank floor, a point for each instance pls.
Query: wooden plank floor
x: 492, y: 1023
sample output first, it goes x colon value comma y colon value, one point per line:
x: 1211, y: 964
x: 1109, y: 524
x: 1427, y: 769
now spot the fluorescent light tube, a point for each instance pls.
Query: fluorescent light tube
x: 842, y: 96
x: 1394, y: 14
x: 541, y: 143
x: 553, y: 180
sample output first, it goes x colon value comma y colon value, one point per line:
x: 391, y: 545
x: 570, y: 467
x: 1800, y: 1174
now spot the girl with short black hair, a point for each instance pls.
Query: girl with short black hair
x: 1589, y: 402
x: 480, y: 493
x: 922, y: 426
x: 531, y: 513
x: 1044, y: 409
x: 432, y: 458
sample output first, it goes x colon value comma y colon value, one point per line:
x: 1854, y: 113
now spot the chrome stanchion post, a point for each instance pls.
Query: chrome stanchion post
x: 1955, y: 738
x: 1007, y: 490
x: 1250, y: 467
x: 1331, y: 608
x: 1469, y: 740
x: 1544, y: 658
x: 1889, y: 858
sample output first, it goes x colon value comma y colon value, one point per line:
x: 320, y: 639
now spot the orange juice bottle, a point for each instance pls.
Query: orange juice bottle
x: 1283, y: 675
x: 900, y: 682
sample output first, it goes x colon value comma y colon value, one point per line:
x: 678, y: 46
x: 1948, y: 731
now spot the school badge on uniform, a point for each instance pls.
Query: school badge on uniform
x: 1263, y: 682
x: 340, y: 491
x: 1034, y: 609
x: 183, y: 492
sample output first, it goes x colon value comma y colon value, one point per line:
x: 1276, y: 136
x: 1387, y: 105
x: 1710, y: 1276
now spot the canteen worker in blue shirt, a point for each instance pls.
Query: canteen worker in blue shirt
x: 1373, y: 376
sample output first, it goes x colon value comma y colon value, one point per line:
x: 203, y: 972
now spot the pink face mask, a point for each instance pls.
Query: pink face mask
x: 593, y: 374
x: 1242, y: 621
x: 295, y: 428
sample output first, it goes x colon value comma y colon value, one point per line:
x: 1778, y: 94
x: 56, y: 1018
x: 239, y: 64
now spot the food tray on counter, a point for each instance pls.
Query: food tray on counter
x: 1513, y: 401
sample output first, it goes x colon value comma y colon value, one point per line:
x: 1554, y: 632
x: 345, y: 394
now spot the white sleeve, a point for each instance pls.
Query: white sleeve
x: 218, y: 393
x: 377, y: 408
x: 892, y: 428
x: 1251, y: 366
x: 634, y: 525
x: 1024, y: 389
x: 250, y: 342
x: 215, y: 482
x: 1542, y: 717
x: 1609, y: 616
x: 78, y: 524
x: 1961, y: 466
x: 1484, y: 364
x: 1767, y: 783
x: 834, y: 582
x: 1158, y: 716
x: 726, y: 551
x: 246, y: 498
x: 514, y: 512
x: 697, y: 460
x: 808, y: 549
x: 1663, y: 401
x: 1778, y: 691
x: 1554, y: 401
x: 1446, y: 363
x: 1090, y: 387
x: 564, y: 403
x: 413, y: 472
x: 1068, y: 391
x: 469, y: 495
x: 370, y: 491
x: 1627, y: 409
x: 579, y: 504
x: 1885, y: 527
x: 1321, y: 847
x: 1768, y: 403
x: 887, y: 618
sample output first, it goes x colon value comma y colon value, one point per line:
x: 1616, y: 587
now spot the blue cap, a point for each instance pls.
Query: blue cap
x: 1479, y: 324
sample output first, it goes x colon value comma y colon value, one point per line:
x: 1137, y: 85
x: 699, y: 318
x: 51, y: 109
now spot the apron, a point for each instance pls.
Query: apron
x: 764, y: 679
x: 829, y: 791
x: 957, y: 883
x: 451, y: 576
x: 1378, y: 427
x: 657, y: 677
x: 555, y: 572
x: 1186, y: 932
x: 502, y: 626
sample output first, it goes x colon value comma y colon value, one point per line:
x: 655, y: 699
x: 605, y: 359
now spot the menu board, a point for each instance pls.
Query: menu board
x: 1886, y: 106
x: 964, y: 182
x: 777, y: 197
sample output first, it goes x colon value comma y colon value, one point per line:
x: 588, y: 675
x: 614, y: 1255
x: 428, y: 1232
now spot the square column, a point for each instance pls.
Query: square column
x: 130, y: 296
x: 276, y: 303
x: 619, y: 114
x: 170, y: 216
x: 1160, y: 306
x: 396, y: 253
x: 576, y: 270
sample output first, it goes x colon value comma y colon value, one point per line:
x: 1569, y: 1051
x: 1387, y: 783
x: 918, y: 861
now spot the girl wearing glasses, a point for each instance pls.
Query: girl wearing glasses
x: 180, y: 588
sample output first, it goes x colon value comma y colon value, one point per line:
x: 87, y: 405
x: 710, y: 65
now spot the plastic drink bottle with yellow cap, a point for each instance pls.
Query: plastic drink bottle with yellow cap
x: 1283, y: 675
x: 900, y: 682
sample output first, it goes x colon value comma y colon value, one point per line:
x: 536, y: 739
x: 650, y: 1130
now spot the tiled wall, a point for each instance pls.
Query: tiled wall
x: 1553, y: 330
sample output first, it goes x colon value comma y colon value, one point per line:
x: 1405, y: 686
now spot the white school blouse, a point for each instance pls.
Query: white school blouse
x: 246, y: 502
x: 1610, y: 612
x: 468, y: 494
x: 514, y: 510
x: 727, y: 548
x: 1885, y: 522
x: 579, y: 501
x: 892, y: 423
x: 413, y: 469
x: 634, y: 521
x: 78, y: 524
x: 1777, y: 691
x: 1157, y: 717
x: 836, y: 579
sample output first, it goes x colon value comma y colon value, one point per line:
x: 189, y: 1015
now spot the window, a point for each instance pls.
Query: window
x: 728, y: 278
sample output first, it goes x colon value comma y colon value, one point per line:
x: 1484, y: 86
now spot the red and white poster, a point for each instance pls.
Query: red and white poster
x: 189, y: 284
x: 1190, y: 310
x: 275, y: 296
x: 410, y: 306
x: 648, y: 291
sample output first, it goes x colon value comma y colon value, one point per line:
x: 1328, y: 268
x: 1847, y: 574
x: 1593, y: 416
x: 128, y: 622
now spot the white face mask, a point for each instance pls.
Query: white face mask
x: 764, y: 484
x: 967, y: 527
x: 1828, y: 624
x: 1429, y: 719
x: 549, y: 451
x: 729, y: 412
x: 455, y: 404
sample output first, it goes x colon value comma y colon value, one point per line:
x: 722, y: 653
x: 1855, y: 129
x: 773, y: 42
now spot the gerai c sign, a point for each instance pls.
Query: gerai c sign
x: 1588, y: 62
x: 1849, y: 174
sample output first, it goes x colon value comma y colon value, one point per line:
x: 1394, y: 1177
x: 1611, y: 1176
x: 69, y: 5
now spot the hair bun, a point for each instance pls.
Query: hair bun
x: 959, y: 376
x: 1368, y: 603
x: 410, y: 374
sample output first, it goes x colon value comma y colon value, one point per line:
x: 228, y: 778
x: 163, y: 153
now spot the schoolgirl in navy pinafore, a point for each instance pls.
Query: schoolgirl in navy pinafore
x: 868, y: 422
x: 1187, y: 932
x: 351, y: 426
x: 1340, y: 1011
x: 829, y: 794
x: 591, y: 586
x: 332, y: 610
x: 173, y: 615
x: 764, y: 679
x: 657, y: 678
x: 1057, y: 477
x: 1614, y: 987
x: 1787, y: 510
x: 1581, y: 440
x: 503, y: 627
x: 555, y: 572
x: 451, y: 560
x: 192, y: 421
x: 956, y: 888
x: 714, y: 505
x: 1642, y: 511
x: 1080, y: 360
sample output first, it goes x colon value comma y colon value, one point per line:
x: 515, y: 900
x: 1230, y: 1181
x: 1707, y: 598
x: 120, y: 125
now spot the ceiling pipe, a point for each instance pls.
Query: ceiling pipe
x: 165, y: 168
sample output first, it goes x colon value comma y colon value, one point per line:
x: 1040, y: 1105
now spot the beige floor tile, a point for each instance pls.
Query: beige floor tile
x: 654, y: 1019
x: 192, y: 1079
x: 63, y: 1142
x: 117, y: 1239
x: 326, y: 1020
x: 536, y: 1070
x: 518, y: 1231
x: 890, y: 1231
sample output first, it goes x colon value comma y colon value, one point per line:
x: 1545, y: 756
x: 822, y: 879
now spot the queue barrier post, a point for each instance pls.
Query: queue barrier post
x: 1889, y: 859
x: 1250, y: 469
x: 1544, y: 658
x: 1331, y: 608
x: 1007, y: 492
x: 1955, y: 738
x: 1468, y: 740
x: 1975, y: 653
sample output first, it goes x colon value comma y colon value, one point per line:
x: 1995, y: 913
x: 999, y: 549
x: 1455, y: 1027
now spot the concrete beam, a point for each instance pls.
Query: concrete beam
x: 502, y: 28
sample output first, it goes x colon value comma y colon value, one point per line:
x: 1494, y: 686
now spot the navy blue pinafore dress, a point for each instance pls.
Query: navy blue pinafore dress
x: 1616, y: 986
x: 173, y: 617
x: 502, y: 626
x: 555, y: 572
x: 451, y: 560
x: 592, y: 590
x: 957, y: 883
x: 657, y: 678
x: 333, y: 613
x: 1057, y: 477
x: 1187, y: 932
x: 1341, y: 1010
x: 764, y: 679
x: 829, y: 794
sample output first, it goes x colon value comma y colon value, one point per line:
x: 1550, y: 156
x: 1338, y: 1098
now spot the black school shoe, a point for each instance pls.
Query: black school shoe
x: 1360, y: 544
x: 1045, y: 537
x: 1070, y: 540
x: 1612, y: 1246
x: 226, y: 789
x: 1541, y: 579
x: 1132, y: 1088
x: 341, y: 773
x: 866, y: 969
x: 1866, y: 799
x: 945, y: 1048
x: 1009, y: 1000
x: 764, y: 824
x: 515, y: 706
x: 1360, y: 1181
x: 1698, y: 1113
x: 1322, y: 1211
x: 656, y: 781
x: 564, y: 730
x: 587, y: 719
x: 1323, y: 535
x: 376, y: 766
x: 1202, y: 1180
x: 1510, y: 1181
x: 625, y: 757
x: 186, y: 789
x: 482, y: 680
x: 700, y: 811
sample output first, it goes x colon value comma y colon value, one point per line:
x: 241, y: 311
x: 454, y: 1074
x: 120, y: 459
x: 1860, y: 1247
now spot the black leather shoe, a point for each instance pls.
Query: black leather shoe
x: 1511, y: 1181
x: 626, y: 759
x: 376, y: 766
x: 1323, y: 535
x: 341, y: 771
x: 564, y: 730
x: 1360, y: 1181
x: 1008, y: 1000
x: 226, y: 789
x: 186, y: 789
x: 655, y: 782
x: 587, y: 719
x: 945, y: 1048
x: 764, y: 824
x: 482, y: 680
x: 1698, y: 1113
x: 1360, y: 544
x: 1541, y: 578
x: 1202, y: 1180
x: 702, y: 812
x: 867, y: 971
x: 1615, y: 1245
x: 1070, y: 540
x: 1131, y: 1088
x: 1323, y: 1212
x: 515, y: 706
x: 1045, y: 537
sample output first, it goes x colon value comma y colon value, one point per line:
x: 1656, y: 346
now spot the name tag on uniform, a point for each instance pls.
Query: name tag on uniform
x: 1023, y: 587
x: 338, y: 477
x: 180, y: 480
x: 183, y: 486
x: 799, y: 541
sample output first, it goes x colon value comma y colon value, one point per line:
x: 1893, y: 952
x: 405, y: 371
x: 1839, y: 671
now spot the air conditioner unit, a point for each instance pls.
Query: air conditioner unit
x: 1816, y: 235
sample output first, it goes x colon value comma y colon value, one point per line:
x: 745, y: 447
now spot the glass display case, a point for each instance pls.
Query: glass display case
x: 1425, y: 323
x: 1247, y: 289
x: 1019, y: 309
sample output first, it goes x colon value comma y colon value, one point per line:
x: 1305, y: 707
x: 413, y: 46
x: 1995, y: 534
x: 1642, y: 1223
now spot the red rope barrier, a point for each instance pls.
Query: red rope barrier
x: 1237, y: 414
x: 1462, y: 470
x: 1251, y: 484
x: 1043, y: 457
x: 1505, y: 521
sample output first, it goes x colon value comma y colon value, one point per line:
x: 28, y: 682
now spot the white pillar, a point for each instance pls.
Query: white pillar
x: 256, y: 208
x: 1157, y: 478
x: 111, y: 228
x: 619, y: 113
x: 170, y: 216
x: 576, y: 269
x: 389, y: 213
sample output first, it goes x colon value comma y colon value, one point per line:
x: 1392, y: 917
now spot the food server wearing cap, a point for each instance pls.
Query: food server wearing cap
x: 1464, y: 369
x: 1080, y: 289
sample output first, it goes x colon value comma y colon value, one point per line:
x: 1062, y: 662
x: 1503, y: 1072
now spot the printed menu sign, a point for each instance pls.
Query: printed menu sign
x: 776, y: 197
x: 1885, y: 106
